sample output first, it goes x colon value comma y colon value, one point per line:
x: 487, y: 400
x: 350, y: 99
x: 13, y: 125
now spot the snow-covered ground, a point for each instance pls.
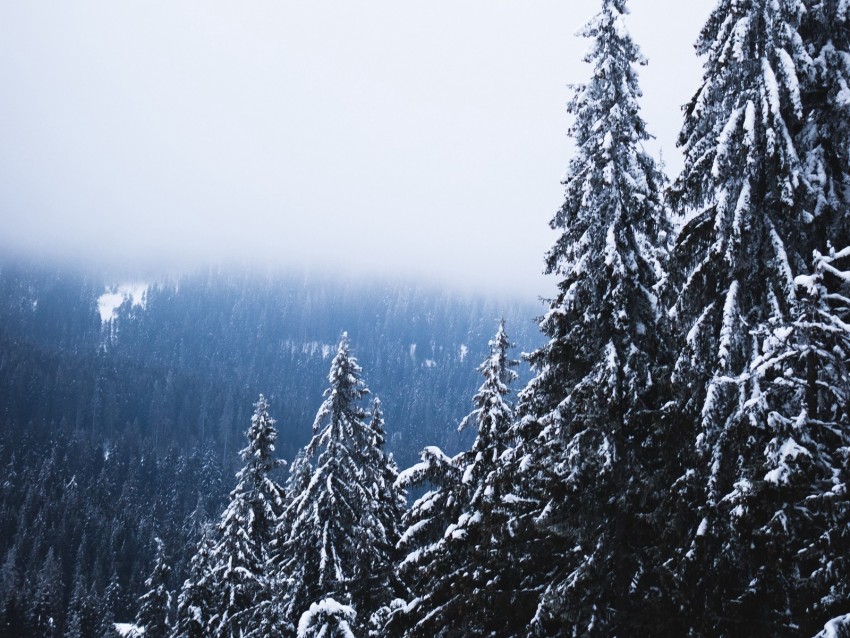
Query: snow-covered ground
x: 110, y: 300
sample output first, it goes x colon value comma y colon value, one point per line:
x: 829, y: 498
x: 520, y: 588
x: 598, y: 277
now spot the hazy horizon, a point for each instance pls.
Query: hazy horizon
x: 409, y: 141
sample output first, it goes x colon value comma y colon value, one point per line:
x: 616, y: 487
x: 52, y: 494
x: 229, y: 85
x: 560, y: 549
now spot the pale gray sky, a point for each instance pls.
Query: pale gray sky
x: 404, y: 137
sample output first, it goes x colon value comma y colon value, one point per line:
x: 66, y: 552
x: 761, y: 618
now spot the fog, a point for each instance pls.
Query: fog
x: 415, y: 139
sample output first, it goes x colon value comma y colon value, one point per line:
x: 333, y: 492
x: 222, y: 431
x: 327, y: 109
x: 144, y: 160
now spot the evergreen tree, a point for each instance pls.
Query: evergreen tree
x: 155, y: 604
x: 424, y: 524
x: 838, y: 627
x: 579, y: 491
x: 429, y: 516
x: 338, y: 544
x: 45, y: 612
x: 743, y: 192
x: 84, y: 612
x: 237, y: 581
x: 195, y: 601
x: 462, y: 576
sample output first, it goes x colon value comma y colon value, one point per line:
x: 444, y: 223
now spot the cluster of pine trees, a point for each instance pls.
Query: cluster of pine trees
x: 315, y: 555
x: 77, y: 519
x: 679, y: 464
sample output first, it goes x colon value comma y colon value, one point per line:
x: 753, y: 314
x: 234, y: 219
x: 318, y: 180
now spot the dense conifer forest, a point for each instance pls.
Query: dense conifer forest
x: 666, y: 454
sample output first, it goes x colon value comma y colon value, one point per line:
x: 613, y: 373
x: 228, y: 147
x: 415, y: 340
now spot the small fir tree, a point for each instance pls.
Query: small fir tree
x: 195, y: 601
x: 155, y: 604
x: 463, y: 573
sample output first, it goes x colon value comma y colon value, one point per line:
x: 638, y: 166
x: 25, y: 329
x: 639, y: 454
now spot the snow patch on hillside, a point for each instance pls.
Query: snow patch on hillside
x: 109, y: 302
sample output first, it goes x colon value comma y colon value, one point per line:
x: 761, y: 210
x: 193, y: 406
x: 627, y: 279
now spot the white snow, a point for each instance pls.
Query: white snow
x: 771, y: 88
x: 727, y: 329
x: 110, y: 300
x: 749, y: 124
x: 790, y: 450
x: 330, y: 609
x: 464, y: 351
x: 724, y: 140
x: 792, y: 83
x: 836, y: 627
x: 129, y: 630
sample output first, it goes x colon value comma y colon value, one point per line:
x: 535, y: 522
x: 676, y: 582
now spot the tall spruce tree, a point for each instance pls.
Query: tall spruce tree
x: 339, y: 543
x: 743, y: 193
x: 237, y: 580
x: 587, y: 420
x: 461, y: 577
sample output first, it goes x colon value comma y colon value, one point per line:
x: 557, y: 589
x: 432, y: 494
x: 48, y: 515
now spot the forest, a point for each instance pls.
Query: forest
x: 668, y: 456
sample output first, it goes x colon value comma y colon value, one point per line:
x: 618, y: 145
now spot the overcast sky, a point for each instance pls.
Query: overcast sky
x: 405, y: 137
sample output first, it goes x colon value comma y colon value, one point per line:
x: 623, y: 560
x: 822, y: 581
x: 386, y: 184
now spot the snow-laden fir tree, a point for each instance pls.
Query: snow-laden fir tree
x: 587, y: 419
x: 273, y: 616
x: 390, y: 504
x: 237, y: 580
x: 461, y: 577
x: 429, y: 516
x: 838, y: 627
x: 424, y: 524
x: 195, y: 600
x: 339, y: 542
x: 743, y: 193
x: 155, y: 603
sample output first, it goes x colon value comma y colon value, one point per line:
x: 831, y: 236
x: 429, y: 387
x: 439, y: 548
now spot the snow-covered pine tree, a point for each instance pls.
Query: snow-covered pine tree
x: 463, y: 575
x: 390, y: 504
x: 237, y: 580
x: 587, y: 419
x: 424, y: 524
x: 155, y: 603
x: 742, y: 194
x: 337, y: 544
x: 838, y: 627
x: 195, y: 601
